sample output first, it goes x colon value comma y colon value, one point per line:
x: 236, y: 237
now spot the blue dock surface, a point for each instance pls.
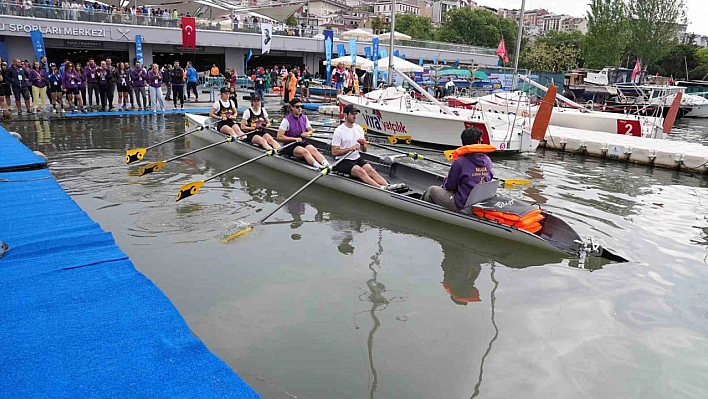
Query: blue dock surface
x: 77, y: 320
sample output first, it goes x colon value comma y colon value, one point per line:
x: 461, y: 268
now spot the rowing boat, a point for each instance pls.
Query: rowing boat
x: 555, y: 236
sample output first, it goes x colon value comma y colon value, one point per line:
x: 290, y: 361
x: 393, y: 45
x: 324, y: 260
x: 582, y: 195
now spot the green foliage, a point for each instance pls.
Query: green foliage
x: 415, y: 26
x: 608, y: 33
x: 542, y: 56
x: 478, y: 27
x: 675, y: 61
x: 291, y: 21
x: 377, y: 25
x: 653, y: 26
x: 702, y: 55
x: 699, y: 73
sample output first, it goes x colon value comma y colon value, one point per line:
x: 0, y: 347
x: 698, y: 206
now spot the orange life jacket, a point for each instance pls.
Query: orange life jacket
x: 529, y: 221
x: 472, y: 149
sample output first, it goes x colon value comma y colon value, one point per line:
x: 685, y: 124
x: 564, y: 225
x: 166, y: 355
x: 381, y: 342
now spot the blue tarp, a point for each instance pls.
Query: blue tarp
x: 14, y: 155
x: 77, y: 320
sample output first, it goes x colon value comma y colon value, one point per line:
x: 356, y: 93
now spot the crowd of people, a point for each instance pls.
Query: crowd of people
x: 98, y: 86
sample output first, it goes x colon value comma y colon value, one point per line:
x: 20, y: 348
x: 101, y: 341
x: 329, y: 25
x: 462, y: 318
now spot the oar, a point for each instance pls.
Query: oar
x: 192, y: 188
x: 323, y: 172
x: 137, y: 154
x: 417, y: 157
x: 156, y: 166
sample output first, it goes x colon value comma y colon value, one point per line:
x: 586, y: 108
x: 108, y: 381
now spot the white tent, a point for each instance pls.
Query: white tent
x: 396, y: 36
x: 361, y: 62
x: 398, y: 63
x: 359, y: 34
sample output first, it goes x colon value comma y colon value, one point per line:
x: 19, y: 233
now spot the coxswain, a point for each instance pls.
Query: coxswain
x: 296, y: 127
x: 254, y: 121
x: 347, y: 137
x: 225, y: 109
x: 470, y: 167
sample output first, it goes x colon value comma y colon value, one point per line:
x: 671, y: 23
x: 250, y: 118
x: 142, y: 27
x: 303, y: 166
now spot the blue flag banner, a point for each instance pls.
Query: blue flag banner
x: 38, y: 44
x: 248, y: 58
x: 435, y: 60
x: 139, y: 49
x: 403, y: 56
x: 341, y: 52
x: 499, y: 62
x: 383, y: 53
x: 457, y: 63
x: 420, y: 61
x: 367, y: 53
x: 329, y: 42
x: 396, y: 53
x: 375, y: 54
x: 352, y: 50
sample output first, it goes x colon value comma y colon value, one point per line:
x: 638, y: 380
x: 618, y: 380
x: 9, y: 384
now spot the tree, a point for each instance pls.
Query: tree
x: 478, y: 27
x: 570, y: 40
x: 542, y: 56
x: 680, y: 59
x: 702, y: 55
x: 654, y: 27
x: 291, y: 21
x: 608, y: 33
x: 415, y: 26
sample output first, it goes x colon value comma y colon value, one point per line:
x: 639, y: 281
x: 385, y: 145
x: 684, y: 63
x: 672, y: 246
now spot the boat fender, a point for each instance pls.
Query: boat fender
x: 41, y: 155
x: 469, y: 149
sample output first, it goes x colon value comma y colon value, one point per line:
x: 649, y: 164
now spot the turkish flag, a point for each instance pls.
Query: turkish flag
x: 637, y: 69
x: 189, y: 32
x: 501, y: 50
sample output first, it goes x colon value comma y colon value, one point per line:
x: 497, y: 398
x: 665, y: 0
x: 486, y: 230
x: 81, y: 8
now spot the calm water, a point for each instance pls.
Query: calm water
x: 347, y: 299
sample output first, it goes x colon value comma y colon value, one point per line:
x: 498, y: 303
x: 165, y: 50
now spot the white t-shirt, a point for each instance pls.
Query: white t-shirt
x: 264, y: 113
x: 346, y: 137
x: 285, y: 125
x: 449, y: 84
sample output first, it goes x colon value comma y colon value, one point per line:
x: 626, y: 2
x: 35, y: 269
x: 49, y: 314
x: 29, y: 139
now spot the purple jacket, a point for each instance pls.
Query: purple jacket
x: 137, y: 76
x: 465, y: 173
x: 296, y: 126
x: 154, y: 79
x: 35, y: 78
x: 70, y: 80
x: 91, y: 74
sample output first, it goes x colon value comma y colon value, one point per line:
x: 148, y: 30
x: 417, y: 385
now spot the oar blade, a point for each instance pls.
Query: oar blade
x: 516, y: 182
x: 151, y: 167
x: 189, y: 190
x: 135, y: 155
x: 236, y: 235
x: 449, y: 154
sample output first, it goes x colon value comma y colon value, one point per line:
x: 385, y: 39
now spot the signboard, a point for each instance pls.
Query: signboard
x: 52, y: 30
x: 83, y: 44
x: 197, y: 49
x: 629, y: 127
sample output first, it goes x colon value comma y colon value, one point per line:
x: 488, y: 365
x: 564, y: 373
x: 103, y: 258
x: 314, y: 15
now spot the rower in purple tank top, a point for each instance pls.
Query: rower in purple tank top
x: 296, y: 127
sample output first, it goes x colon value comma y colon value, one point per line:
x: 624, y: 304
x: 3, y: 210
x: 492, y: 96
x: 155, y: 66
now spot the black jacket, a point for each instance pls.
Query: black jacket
x: 177, y: 77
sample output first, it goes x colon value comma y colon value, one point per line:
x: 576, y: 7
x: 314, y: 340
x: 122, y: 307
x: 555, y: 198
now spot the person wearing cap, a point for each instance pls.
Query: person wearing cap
x: 296, y: 127
x: 55, y: 91
x: 347, y: 137
x: 254, y: 120
x: 225, y: 109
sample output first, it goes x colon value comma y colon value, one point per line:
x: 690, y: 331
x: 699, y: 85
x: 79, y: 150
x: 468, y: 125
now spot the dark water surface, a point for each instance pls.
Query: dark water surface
x: 348, y: 299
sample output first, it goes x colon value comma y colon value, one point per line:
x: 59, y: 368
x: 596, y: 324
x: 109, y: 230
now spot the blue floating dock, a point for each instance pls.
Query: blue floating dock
x: 77, y: 320
x: 127, y: 113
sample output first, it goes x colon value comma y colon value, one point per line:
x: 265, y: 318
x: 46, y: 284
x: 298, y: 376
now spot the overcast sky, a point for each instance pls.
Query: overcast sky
x: 697, y: 9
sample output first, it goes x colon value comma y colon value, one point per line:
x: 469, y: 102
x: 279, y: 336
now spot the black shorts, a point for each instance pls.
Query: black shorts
x: 348, y: 90
x: 289, y: 150
x: 73, y: 90
x: 228, y: 122
x: 5, y: 90
x: 123, y: 89
x: 347, y: 165
x: 54, y: 88
x: 21, y: 92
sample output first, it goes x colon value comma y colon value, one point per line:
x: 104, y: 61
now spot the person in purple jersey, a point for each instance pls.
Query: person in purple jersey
x: 38, y: 77
x: 155, y: 82
x: 296, y: 127
x: 102, y: 75
x: 465, y: 172
x: 138, y: 76
x: 91, y: 79
x: 70, y: 82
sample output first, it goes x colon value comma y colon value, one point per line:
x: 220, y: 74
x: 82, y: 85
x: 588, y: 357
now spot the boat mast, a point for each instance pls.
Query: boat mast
x: 519, y: 34
x: 390, y: 45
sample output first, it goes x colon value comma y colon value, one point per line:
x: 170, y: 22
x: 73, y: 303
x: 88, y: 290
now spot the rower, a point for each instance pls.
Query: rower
x: 225, y: 109
x: 255, y: 119
x: 347, y: 137
x: 296, y: 127
x: 470, y: 167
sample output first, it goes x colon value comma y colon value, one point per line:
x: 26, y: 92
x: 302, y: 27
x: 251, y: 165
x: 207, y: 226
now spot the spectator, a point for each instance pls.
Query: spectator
x: 259, y: 85
x: 191, y: 81
x: 38, y: 78
x: 177, y: 80
x: 155, y: 82
x: 138, y: 76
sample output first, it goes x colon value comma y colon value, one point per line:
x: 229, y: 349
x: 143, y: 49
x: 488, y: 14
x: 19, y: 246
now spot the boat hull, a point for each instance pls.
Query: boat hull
x: 431, y: 126
x: 395, y: 200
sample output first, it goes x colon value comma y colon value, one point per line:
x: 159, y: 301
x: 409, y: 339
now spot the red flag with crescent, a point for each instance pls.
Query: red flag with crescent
x: 501, y: 50
x: 189, y: 32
